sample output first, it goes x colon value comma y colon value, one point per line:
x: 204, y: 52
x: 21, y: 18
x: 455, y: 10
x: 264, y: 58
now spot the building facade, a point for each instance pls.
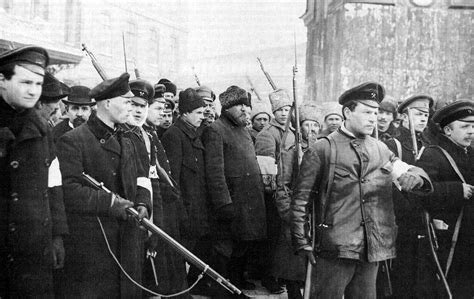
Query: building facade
x: 153, y: 33
x: 409, y: 46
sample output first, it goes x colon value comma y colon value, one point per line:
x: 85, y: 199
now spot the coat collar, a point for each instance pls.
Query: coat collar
x: 186, y: 128
x: 451, y: 147
x: 274, y: 123
x: 108, y: 137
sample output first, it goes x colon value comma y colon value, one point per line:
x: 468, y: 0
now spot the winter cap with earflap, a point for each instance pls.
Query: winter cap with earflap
x: 259, y: 107
x: 279, y: 99
x: 310, y: 112
x: 233, y: 96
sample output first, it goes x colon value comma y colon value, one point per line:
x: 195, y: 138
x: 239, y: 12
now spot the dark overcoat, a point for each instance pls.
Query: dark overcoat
x: 186, y: 155
x: 445, y: 204
x: 90, y: 271
x: 60, y: 129
x: 233, y: 176
x: 29, y: 218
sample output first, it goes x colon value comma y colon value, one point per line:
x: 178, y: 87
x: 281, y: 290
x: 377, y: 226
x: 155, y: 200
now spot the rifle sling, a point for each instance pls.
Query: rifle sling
x: 459, y: 219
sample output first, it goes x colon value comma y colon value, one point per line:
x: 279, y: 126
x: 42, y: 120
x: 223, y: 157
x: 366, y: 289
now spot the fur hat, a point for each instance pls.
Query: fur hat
x: 189, y: 100
x: 310, y: 112
x: 260, y: 107
x: 169, y: 86
x: 279, y: 98
x: 234, y: 95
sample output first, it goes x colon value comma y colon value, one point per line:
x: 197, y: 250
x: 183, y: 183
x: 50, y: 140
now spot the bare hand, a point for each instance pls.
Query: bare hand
x: 308, y: 253
x: 118, y: 208
x: 467, y: 190
x: 409, y: 181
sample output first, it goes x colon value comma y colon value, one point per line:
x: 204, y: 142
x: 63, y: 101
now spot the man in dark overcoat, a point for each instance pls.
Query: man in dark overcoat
x: 186, y: 155
x: 31, y: 223
x: 235, y: 186
x: 452, y: 195
x: 98, y: 219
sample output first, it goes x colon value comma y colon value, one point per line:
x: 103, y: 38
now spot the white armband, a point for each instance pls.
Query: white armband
x: 54, y: 174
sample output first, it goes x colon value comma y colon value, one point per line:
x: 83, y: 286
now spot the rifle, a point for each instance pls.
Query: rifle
x: 95, y: 63
x: 124, y: 52
x: 252, y: 88
x: 196, y: 78
x: 267, y: 75
x: 135, y: 69
x: 188, y: 255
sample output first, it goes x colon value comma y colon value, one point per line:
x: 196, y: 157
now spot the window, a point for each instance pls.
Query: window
x: 40, y: 9
x: 131, y: 41
x: 462, y: 3
x: 104, y: 42
x: 174, y: 48
x: 7, y: 5
x: 154, y: 46
x: 72, y: 33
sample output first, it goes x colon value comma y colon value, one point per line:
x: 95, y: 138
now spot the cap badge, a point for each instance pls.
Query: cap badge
x: 373, y: 95
x: 142, y: 94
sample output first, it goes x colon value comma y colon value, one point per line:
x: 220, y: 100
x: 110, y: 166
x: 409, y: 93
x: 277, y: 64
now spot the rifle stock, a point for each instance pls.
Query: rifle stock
x: 267, y: 75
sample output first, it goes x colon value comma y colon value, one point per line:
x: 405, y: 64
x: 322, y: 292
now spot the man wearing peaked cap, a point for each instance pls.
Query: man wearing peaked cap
x: 170, y: 88
x: 168, y: 118
x: 143, y: 94
x: 100, y: 149
x: 48, y: 104
x: 349, y: 252
x: 235, y: 187
x: 451, y: 202
x: 32, y: 230
x: 78, y: 107
x: 208, y: 96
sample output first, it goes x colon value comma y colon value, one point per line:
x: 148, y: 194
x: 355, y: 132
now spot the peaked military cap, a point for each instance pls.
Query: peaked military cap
x: 169, y: 86
x: 420, y: 102
x: 53, y: 89
x: 370, y: 94
x: 206, y: 93
x: 79, y: 96
x: 169, y: 106
x: 142, y: 89
x: 116, y: 87
x: 25, y: 56
x: 462, y: 110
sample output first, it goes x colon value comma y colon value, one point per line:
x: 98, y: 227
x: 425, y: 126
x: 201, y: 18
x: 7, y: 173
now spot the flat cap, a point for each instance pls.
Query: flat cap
x: 116, y: 87
x: 79, y: 96
x: 420, y: 102
x: 370, y: 94
x: 53, y: 89
x: 206, y: 93
x: 26, y: 55
x: 462, y: 110
x: 169, y: 86
x: 142, y: 89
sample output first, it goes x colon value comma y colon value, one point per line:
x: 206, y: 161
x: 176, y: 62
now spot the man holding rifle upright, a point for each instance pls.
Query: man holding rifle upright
x: 349, y: 176
x: 96, y: 218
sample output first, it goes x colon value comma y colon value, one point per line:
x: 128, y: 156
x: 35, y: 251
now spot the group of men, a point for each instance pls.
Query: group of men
x: 236, y: 190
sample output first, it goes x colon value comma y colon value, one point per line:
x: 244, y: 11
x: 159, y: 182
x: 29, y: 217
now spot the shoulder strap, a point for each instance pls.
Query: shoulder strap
x: 459, y: 220
x: 330, y: 176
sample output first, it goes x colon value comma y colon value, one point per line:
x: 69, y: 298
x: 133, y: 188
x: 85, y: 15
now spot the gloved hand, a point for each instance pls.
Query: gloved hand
x: 226, y: 212
x: 118, y: 207
x: 308, y: 253
x: 409, y: 181
x: 58, y: 252
x: 142, y: 212
x: 467, y: 190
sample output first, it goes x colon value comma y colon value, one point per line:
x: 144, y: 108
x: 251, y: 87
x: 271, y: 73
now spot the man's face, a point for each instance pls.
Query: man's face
x: 462, y: 133
x: 420, y: 119
x: 155, y: 113
x: 120, y: 109
x: 167, y: 119
x: 282, y: 114
x: 309, y: 129
x: 384, y: 119
x: 23, y: 89
x: 78, y: 114
x: 196, y: 116
x: 139, y: 113
x: 169, y: 96
x: 362, y: 120
x: 240, y: 113
x: 48, y: 110
x: 260, y: 121
x: 333, y: 122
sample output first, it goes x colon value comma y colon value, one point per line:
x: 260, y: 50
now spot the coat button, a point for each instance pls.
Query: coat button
x: 46, y: 221
x: 46, y: 162
x: 114, y: 173
x: 14, y: 196
x: 10, y: 258
x: 14, y: 164
x: 12, y: 227
x: 102, y: 141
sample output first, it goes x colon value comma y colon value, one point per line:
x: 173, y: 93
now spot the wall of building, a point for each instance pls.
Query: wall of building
x: 407, y: 48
